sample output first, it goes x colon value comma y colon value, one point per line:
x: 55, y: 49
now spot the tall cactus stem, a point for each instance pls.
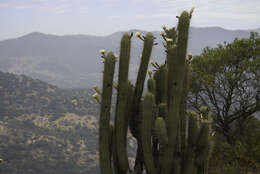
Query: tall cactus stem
x: 121, y: 105
x: 147, y: 123
x: 176, y: 88
x: 104, y: 128
x: 146, y: 54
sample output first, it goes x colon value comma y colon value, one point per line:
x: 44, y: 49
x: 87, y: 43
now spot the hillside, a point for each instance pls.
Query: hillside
x: 23, y: 95
x: 73, y: 61
x: 44, y: 129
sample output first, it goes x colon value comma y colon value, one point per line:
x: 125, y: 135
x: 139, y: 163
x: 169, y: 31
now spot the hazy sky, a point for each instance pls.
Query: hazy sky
x: 103, y: 17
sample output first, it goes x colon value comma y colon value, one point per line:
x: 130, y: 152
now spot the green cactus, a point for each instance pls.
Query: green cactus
x: 146, y: 132
x: 161, y: 132
x: 169, y: 139
x: 121, y: 105
x: 147, y: 50
x: 104, y: 125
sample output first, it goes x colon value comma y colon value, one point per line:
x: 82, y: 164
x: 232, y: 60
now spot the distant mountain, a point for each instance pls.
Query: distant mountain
x: 44, y: 129
x: 73, y: 61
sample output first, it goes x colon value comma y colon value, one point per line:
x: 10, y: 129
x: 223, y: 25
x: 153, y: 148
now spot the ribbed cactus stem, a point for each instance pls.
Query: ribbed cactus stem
x: 147, y: 124
x: 203, y: 144
x: 151, y: 84
x: 111, y: 132
x: 193, y: 130
x: 160, y: 130
x: 203, y: 148
x: 176, y: 89
x: 129, y: 104
x: 121, y: 105
x: 104, y: 125
x: 163, y: 111
x: 193, y: 133
x: 146, y: 54
x: 161, y: 77
x: 183, y: 117
x: 183, y: 35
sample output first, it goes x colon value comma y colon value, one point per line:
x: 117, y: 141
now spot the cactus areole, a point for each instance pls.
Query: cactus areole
x: 170, y: 140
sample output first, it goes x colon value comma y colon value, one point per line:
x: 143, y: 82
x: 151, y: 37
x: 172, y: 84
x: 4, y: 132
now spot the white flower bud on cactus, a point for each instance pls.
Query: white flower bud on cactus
x: 103, y: 51
x: 164, y: 27
x: 169, y: 40
x: 96, y: 96
x: 138, y: 34
x: 162, y: 33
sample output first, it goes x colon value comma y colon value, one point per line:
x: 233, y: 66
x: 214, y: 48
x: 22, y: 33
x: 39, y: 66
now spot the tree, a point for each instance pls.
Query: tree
x: 226, y: 79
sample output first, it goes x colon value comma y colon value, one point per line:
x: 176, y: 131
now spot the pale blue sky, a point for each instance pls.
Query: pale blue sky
x: 103, y: 17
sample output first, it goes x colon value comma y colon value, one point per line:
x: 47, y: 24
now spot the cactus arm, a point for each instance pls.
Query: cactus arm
x: 138, y: 168
x: 183, y: 117
x: 147, y: 123
x: 161, y: 133
x: 176, y: 88
x: 146, y: 54
x: 161, y: 77
x: 104, y: 128
x: 151, y: 85
x: 163, y: 83
x: 111, y: 132
x: 193, y: 133
x: 129, y: 104
x: 120, y: 118
x: 203, y: 147
x: 160, y: 130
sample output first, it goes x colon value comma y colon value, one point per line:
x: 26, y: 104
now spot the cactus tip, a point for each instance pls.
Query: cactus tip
x: 95, y: 87
x: 96, y: 96
x: 150, y: 72
x: 116, y: 56
x: 169, y: 40
x: 203, y: 109
x: 164, y: 27
x: 162, y: 33
x: 191, y: 11
x: 138, y: 34
x: 103, y: 51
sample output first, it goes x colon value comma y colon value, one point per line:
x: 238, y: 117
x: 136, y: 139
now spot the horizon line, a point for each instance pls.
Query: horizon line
x: 106, y: 35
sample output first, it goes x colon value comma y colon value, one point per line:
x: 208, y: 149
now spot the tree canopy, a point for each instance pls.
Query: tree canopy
x: 226, y: 79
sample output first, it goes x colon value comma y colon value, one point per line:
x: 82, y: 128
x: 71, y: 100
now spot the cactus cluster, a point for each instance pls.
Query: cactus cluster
x: 169, y: 139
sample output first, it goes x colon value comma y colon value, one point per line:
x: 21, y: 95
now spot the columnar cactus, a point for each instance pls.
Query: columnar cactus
x: 170, y: 140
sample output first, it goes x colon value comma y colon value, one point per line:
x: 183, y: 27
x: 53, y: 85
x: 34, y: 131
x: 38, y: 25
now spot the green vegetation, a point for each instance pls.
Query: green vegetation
x: 226, y: 80
x: 243, y: 156
x: 158, y: 120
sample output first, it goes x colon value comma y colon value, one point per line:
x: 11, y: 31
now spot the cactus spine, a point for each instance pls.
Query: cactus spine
x: 170, y: 140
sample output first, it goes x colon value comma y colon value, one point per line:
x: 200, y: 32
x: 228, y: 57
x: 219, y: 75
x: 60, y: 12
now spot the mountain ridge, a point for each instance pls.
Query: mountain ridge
x: 74, y: 61
x: 122, y: 31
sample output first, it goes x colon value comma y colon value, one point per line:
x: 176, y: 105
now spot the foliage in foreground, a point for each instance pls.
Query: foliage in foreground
x: 243, y: 156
